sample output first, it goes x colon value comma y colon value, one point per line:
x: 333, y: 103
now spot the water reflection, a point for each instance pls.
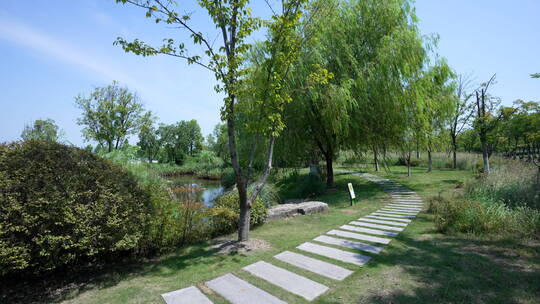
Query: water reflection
x: 192, y: 189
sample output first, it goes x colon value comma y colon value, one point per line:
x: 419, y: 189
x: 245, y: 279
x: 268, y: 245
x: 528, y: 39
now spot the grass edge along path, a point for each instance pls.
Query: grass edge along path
x: 404, y: 207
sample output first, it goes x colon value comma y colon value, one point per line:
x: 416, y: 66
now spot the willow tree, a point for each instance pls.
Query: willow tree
x: 389, y: 53
x: 235, y: 24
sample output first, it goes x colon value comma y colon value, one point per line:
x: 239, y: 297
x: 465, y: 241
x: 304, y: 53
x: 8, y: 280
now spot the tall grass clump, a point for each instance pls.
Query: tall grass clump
x: 502, y: 203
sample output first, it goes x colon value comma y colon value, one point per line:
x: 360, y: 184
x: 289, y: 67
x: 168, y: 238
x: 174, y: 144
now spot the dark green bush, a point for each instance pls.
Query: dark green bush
x: 299, y: 186
x: 225, y: 213
x: 61, y: 205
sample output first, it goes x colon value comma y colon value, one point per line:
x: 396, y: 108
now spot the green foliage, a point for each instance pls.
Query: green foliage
x: 42, y: 130
x: 225, y: 213
x: 179, y: 141
x: 293, y: 185
x: 61, y: 205
x: 485, y: 218
x: 110, y: 114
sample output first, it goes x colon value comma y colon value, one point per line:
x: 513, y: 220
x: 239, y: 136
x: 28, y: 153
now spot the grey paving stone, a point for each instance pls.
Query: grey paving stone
x: 394, y: 219
x: 188, y: 295
x: 399, y: 211
x: 316, y: 266
x: 407, y: 204
x: 287, y: 280
x: 349, y: 244
x: 376, y: 226
x: 408, y: 215
x: 367, y: 230
x: 238, y: 291
x: 402, y: 206
x: 359, y: 236
x: 333, y: 253
x: 382, y: 222
x: 387, y: 214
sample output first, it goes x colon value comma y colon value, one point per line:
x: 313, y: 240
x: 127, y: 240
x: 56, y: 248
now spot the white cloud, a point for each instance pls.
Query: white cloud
x: 26, y: 36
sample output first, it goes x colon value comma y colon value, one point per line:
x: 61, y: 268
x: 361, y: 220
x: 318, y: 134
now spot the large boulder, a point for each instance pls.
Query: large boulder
x: 289, y: 210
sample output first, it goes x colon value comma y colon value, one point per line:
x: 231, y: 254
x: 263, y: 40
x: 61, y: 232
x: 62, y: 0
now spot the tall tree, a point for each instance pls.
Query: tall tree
x: 235, y: 24
x: 42, y: 130
x: 110, y: 114
x: 484, y: 120
x: 148, y: 138
x: 462, y: 112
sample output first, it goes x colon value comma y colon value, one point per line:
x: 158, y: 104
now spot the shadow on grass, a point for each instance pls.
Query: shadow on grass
x: 447, y: 269
x: 56, y: 287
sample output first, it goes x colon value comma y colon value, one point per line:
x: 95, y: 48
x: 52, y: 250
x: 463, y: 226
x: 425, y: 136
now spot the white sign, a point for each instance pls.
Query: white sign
x: 351, y: 191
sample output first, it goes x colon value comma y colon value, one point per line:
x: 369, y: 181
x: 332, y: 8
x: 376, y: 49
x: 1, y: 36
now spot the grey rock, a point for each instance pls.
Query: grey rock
x: 288, y: 210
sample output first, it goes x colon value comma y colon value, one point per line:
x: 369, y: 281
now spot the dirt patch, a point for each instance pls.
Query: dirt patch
x: 229, y: 246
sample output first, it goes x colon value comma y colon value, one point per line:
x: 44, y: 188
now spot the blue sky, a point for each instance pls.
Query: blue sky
x: 51, y: 51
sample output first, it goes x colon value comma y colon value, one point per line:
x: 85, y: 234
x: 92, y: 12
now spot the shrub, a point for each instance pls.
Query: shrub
x: 495, y: 218
x: 61, y: 205
x: 299, y: 186
x: 225, y: 213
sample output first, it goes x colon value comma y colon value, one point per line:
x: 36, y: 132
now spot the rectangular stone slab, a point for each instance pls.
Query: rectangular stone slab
x: 316, y: 266
x: 359, y: 236
x: 394, y: 214
x: 384, y: 218
x: 376, y: 226
x: 382, y: 222
x: 407, y: 204
x: 400, y: 208
x: 333, y: 253
x: 368, y: 230
x: 188, y: 295
x: 397, y: 211
x: 238, y: 291
x: 391, y: 214
x: 287, y: 280
x: 349, y: 244
x: 397, y: 206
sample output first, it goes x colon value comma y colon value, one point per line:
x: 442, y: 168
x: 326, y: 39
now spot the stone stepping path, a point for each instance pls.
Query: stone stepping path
x: 316, y: 266
x: 400, y: 211
x: 382, y: 222
x: 189, y: 295
x: 287, y: 280
x: 359, y: 236
x: 378, y: 227
x: 392, y: 214
x: 336, y: 254
x: 368, y: 230
x: 238, y: 291
x: 393, y: 219
x: 348, y: 244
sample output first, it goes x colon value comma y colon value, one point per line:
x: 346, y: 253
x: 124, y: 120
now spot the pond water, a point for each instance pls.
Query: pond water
x: 190, y: 188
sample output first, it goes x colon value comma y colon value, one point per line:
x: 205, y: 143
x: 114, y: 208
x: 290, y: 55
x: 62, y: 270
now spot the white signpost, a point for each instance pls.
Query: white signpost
x: 351, y: 193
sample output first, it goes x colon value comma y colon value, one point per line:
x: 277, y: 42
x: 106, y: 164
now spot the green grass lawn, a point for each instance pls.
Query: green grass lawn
x: 418, y: 266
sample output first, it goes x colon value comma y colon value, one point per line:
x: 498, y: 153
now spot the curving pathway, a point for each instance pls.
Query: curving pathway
x: 377, y: 229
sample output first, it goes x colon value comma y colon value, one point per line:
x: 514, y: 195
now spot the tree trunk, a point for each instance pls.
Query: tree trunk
x: 409, y: 173
x: 430, y: 162
x: 485, y: 155
x: 329, y: 170
x: 245, y: 208
x: 376, y: 160
x: 454, y: 152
